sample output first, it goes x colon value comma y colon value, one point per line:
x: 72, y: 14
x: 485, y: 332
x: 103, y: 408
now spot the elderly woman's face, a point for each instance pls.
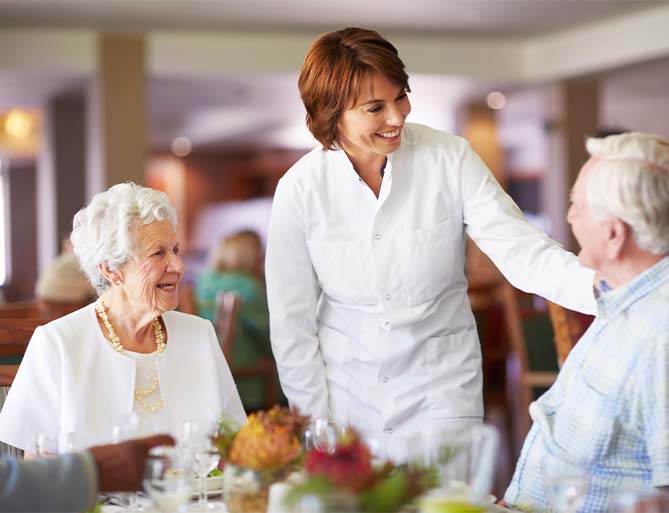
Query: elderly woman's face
x: 374, y: 125
x: 151, y: 278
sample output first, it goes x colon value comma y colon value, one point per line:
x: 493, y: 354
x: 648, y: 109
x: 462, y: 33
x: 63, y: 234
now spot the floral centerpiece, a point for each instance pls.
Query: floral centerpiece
x: 347, y: 480
x: 263, y: 451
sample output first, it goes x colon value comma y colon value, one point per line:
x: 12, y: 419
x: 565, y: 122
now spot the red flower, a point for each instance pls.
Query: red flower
x: 350, y: 466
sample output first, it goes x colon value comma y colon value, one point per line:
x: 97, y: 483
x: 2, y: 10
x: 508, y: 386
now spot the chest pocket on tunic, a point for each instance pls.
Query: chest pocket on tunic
x: 426, y: 261
x: 341, y: 271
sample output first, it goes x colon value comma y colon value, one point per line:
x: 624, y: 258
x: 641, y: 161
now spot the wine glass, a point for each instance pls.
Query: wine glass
x: 166, y: 480
x: 322, y: 434
x: 566, y: 480
x: 45, y: 445
x: 195, y: 440
x: 127, y: 429
x: 68, y: 442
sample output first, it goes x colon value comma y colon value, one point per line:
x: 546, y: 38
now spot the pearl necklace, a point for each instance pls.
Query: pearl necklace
x: 115, y: 341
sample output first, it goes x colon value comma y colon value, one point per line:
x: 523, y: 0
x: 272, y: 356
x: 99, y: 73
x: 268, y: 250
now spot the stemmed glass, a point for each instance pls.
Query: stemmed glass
x: 566, y: 480
x: 127, y: 429
x: 323, y: 434
x: 195, y: 440
x: 45, y: 445
x: 166, y: 481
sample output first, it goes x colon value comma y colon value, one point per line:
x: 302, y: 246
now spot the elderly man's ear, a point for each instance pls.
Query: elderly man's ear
x: 619, y: 235
x: 113, y: 277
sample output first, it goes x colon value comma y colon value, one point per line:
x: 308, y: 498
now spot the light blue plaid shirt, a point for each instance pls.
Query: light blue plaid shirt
x: 609, y: 407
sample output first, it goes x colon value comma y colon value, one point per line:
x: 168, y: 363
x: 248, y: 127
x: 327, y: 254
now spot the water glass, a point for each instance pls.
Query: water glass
x: 566, y: 480
x: 45, y: 445
x: 465, y: 458
x: 322, y: 434
x: 195, y: 442
x: 166, y: 480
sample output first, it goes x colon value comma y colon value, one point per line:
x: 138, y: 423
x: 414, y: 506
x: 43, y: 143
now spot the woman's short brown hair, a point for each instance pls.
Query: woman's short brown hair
x: 333, y: 72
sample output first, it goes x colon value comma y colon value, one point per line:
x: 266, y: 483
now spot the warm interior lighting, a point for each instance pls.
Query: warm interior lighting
x: 18, y: 124
x: 181, y: 146
x: 496, y: 100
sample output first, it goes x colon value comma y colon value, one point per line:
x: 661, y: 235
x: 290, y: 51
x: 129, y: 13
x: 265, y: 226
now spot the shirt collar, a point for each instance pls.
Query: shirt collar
x: 612, y: 301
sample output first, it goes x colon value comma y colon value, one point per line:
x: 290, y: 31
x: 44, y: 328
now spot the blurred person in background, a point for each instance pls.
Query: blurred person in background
x: 63, y: 287
x: 370, y: 320
x: 236, y: 265
x: 128, y: 354
x: 608, y: 411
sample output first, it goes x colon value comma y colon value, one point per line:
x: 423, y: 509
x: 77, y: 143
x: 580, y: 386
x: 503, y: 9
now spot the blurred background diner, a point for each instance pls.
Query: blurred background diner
x: 200, y: 100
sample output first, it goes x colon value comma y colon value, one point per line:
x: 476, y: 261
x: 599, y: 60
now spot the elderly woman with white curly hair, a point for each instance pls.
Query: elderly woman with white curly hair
x: 128, y: 354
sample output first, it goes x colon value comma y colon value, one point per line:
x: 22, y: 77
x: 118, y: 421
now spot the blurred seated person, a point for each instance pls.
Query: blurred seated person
x: 608, y: 411
x: 71, y: 482
x: 128, y: 354
x: 236, y: 266
x: 63, y: 287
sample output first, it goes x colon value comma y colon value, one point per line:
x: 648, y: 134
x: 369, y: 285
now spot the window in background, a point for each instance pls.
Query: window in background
x: 3, y: 225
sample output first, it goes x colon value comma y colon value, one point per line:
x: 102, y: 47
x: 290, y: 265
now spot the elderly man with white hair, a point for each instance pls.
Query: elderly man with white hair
x: 128, y: 355
x: 607, y: 414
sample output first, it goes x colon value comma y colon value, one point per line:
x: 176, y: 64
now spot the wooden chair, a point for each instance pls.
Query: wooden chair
x: 14, y: 337
x: 225, y: 321
x: 186, y: 299
x: 39, y: 308
x: 530, y: 378
x: 527, y: 379
x: 19, y: 310
x: 568, y: 327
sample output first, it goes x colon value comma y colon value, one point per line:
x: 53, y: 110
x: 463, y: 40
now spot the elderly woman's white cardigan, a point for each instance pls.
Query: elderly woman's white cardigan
x: 72, y: 381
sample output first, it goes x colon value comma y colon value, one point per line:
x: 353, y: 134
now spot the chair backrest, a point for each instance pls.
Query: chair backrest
x: 225, y: 320
x: 568, y: 327
x: 5, y: 449
x: 19, y: 310
x: 527, y: 378
x: 15, y: 335
x: 186, y: 299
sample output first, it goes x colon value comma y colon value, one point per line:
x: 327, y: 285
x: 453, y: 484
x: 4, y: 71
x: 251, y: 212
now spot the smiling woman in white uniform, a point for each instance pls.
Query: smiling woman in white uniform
x: 127, y: 352
x: 370, y: 321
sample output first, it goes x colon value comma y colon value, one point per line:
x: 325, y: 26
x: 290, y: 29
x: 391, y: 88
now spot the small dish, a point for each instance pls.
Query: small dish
x: 213, y: 485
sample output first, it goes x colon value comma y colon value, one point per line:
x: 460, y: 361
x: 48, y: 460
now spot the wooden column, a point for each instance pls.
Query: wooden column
x: 117, y: 114
x: 572, y: 110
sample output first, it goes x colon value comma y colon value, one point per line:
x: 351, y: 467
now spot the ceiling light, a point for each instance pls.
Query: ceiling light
x: 18, y: 124
x: 181, y: 146
x: 496, y: 100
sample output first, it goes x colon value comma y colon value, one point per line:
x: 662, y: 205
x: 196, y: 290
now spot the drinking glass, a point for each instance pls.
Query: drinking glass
x: 464, y: 458
x: 566, y: 480
x: 166, y: 480
x: 68, y: 442
x: 127, y: 429
x: 322, y: 434
x: 45, y: 445
x: 195, y: 441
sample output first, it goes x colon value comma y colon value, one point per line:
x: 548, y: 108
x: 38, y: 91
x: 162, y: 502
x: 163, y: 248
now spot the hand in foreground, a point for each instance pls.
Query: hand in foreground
x: 121, y: 466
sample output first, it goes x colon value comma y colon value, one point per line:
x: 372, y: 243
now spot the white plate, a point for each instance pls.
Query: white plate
x: 210, y: 493
x: 214, y: 485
